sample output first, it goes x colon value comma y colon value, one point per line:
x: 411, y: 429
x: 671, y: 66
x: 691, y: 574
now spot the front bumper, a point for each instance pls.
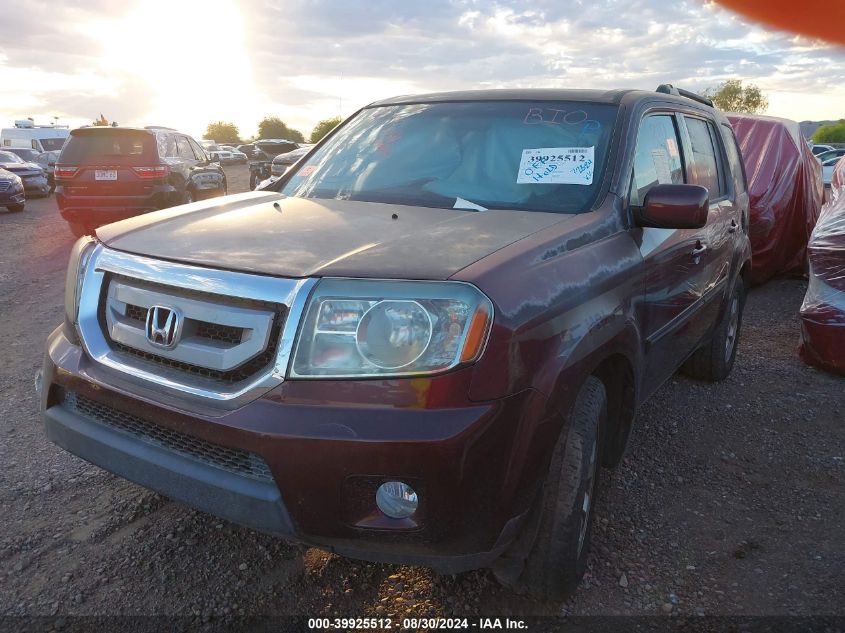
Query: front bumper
x: 36, y: 184
x: 326, y: 459
x: 256, y: 504
x: 8, y: 197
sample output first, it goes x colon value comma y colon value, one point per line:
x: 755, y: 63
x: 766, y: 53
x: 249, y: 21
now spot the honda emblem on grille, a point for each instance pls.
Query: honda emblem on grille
x: 164, y: 325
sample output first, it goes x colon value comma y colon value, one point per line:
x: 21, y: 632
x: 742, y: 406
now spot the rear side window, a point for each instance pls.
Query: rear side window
x: 658, y: 157
x: 108, y: 145
x: 704, y: 169
x: 52, y: 144
x: 184, y: 148
x: 198, y: 152
x: 734, y: 157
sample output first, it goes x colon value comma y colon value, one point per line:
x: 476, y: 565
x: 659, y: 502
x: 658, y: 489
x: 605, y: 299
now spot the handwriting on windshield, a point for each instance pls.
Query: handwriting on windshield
x: 557, y: 116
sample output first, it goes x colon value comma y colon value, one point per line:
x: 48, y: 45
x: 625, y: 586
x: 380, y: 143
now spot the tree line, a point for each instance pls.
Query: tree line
x: 268, y: 127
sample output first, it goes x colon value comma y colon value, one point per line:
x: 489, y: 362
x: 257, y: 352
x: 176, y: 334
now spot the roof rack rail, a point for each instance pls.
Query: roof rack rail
x: 160, y: 127
x: 669, y: 89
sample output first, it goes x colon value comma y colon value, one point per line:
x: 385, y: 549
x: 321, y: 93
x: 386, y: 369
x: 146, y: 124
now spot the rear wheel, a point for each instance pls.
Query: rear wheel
x: 16, y: 208
x: 188, y: 198
x: 562, y: 522
x: 714, y: 361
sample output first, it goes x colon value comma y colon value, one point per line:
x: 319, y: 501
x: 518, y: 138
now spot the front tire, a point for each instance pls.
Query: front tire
x: 16, y: 208
x: 563, y: 520
x: 714, y: 361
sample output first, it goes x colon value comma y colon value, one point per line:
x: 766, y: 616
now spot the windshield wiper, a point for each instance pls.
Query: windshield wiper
x: 466, y: 205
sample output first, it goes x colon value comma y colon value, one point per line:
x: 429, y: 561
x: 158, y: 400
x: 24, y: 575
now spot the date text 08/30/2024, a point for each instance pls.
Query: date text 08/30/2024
x: 385, y: 624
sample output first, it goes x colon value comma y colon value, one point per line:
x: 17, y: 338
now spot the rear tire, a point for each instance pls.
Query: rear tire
x: 188, y: 197
x: 714, y: 361
x: 16, y: 208
x: 562, y: 521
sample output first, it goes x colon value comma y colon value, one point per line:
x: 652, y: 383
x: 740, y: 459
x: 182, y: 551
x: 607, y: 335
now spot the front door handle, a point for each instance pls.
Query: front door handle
x: 699, y: 249
x: 732, y: 227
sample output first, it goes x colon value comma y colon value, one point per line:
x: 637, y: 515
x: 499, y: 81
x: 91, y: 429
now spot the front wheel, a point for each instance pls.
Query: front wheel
x: 562, y: 522
x: 714, y: 361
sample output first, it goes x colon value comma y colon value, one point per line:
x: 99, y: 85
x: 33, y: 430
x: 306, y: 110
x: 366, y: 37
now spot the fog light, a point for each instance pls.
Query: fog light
x: 396, y: 499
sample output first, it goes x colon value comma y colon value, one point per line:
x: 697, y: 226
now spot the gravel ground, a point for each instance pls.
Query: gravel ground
x: 729, y: 502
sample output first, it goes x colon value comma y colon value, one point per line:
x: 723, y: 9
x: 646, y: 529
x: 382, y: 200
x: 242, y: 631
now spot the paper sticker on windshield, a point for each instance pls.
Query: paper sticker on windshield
x: 557, y: 166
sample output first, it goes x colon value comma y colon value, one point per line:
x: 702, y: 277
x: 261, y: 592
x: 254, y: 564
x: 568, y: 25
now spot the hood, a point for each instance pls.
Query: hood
x: 268, y: 233
x: 20, y: 167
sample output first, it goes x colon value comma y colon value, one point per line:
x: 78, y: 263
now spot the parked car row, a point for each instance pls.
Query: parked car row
x: 264, y: 151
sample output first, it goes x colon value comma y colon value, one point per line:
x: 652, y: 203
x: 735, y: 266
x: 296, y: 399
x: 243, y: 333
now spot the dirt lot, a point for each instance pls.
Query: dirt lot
x: 730, y: 500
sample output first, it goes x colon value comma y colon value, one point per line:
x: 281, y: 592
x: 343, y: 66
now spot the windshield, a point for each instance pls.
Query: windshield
x: 8, y: 157
x: 533, y: 156
x: 24, y: 153
x: 52, y: 144
x: 91, y: 145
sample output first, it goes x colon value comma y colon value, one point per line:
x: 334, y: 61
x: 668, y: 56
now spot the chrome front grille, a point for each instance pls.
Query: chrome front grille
x: 234, y: 336
x: 211, y: 331
x: 229, y: 459
x: 238, y: 374
x: 5, y: 185
x: 222, y: 338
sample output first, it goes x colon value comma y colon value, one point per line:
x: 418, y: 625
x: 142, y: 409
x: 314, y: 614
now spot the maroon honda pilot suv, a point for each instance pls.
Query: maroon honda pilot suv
x: 420, y: 344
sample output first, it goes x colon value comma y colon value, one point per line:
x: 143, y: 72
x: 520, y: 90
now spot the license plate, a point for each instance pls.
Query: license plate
x: 105, y: 174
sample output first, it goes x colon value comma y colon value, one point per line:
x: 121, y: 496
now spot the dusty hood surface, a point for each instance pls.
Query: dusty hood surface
x: 309, y: 237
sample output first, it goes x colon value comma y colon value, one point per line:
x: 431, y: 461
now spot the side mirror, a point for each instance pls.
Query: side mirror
x: 674, y: 207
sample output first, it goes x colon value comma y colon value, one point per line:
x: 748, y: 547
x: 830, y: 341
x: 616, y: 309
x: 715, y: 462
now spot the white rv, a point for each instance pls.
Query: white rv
x: 43, y: 138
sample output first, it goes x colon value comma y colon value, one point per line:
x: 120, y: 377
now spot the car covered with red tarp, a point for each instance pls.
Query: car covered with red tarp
x: 785, y: 190
x: 823, y: 310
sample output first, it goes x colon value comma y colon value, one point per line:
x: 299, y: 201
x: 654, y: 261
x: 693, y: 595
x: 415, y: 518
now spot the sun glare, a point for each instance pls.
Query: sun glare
x: 199, y: 71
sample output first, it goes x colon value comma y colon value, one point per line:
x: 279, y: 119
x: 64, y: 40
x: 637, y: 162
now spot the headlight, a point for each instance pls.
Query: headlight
x: 79, y: 256
x: 358, y: 327
x: 17, y: 184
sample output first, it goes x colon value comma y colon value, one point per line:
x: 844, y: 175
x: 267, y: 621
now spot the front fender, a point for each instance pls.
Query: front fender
x: 558, y: 316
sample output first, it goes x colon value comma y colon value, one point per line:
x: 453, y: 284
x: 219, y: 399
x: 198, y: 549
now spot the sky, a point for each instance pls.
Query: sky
x: 185, y: 63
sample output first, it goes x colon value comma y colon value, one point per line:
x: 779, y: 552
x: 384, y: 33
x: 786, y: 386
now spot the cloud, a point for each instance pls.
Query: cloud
x: 306, y: 60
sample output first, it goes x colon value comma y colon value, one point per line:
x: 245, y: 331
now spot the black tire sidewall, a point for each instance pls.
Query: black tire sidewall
x: 555, y: 565
x: 721, y: 366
